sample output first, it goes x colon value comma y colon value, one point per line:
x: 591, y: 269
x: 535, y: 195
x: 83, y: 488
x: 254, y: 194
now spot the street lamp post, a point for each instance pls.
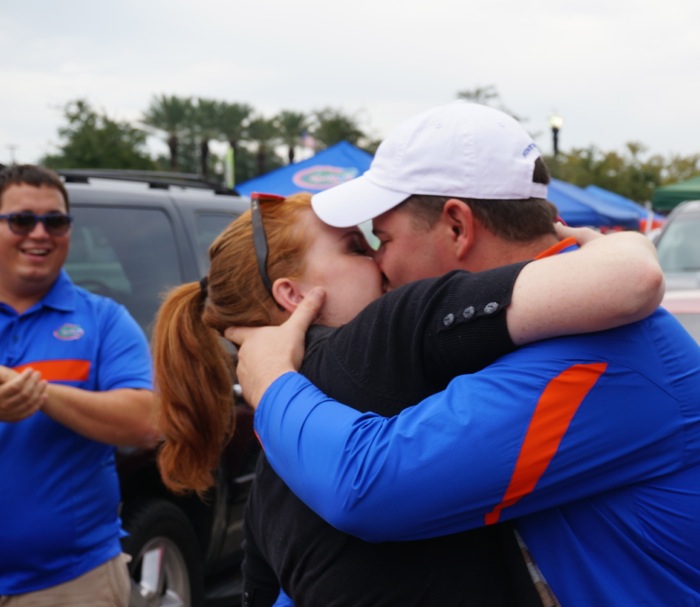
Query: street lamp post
x: 12, y: 149
x: 555, y: 123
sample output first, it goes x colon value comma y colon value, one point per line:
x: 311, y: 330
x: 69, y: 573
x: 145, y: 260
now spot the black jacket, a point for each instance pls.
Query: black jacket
x: 402, y: 348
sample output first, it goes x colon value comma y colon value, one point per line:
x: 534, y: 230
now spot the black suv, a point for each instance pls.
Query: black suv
x: 136, y: 235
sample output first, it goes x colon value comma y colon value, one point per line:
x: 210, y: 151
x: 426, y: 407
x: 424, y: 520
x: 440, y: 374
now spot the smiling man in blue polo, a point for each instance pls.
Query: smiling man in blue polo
x: 75, y: 380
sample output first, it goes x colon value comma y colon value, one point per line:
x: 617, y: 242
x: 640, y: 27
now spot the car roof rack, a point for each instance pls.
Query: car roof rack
x: 160, y: 180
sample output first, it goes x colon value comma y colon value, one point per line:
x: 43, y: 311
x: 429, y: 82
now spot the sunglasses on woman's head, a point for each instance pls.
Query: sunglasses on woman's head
x: 259, y: 237
x: 22, y: 224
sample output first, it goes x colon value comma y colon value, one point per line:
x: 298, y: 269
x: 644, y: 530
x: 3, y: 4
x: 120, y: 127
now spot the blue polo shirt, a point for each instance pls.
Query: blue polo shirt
x: 59, y: 494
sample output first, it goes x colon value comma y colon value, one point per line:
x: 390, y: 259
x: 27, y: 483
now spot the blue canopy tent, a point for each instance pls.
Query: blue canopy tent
x: 578, y: 207
x: 332, y: 166
x: 625, y: 203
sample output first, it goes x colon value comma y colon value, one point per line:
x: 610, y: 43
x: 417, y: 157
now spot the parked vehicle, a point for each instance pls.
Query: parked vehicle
x: 135, y: 235
x: 684, y: 304
x: 678, y: 245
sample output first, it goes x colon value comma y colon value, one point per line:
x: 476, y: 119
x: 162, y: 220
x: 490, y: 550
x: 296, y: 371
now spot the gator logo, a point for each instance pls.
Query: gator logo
x: 321, y: 177
x: 69, y: 332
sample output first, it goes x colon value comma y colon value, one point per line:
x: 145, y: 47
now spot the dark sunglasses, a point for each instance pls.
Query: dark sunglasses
x: 56, y: 224
x: 259, y: 237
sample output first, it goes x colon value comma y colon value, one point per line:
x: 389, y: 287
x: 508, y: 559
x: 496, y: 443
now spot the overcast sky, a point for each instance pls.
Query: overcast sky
x: 615, y: 70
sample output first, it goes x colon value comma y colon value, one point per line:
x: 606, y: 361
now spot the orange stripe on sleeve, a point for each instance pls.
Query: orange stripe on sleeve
x: 560, y: 246
x: 550, y: 421
x: 59, y: 370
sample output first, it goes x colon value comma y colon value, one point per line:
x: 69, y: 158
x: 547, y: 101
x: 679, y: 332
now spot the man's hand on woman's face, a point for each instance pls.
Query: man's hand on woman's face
x: 266, y: 353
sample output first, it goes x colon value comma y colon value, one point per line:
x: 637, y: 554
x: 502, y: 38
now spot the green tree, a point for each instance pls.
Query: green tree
x: 94, y: 140
x: 291, y: 126
x: 233, y: 126
x: 264, y: 132
x: 188, y: 152
x: 485, y: 95
x: 629, y: 174
x: 488, y: 95
x: 333, y: 126
x: 171, y: 115
x: 680, y: 168
x: 246, y: 164
x: 206, y: 124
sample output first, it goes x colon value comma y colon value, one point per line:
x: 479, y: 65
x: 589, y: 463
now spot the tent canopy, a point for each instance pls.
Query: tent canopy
x: 578, y: 207
x: 645, y: 215
x: 667, y: 197
x: 332, y: 166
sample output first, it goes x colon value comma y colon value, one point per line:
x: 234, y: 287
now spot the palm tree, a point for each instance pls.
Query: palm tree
x: 172, y: 115
x: 233, y: 122
x: 233, y: 126
x: 264, y: 131
x: 206, y: 123
x: 291, y: 126
x: 333, y: 126
x: 487, y: 95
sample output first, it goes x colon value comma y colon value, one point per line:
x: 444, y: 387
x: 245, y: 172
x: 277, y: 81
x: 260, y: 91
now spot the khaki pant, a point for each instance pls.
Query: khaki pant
x: 105, y: 586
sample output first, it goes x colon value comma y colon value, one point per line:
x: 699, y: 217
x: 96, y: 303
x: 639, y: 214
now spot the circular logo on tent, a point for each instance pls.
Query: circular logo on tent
x: 322, y: 177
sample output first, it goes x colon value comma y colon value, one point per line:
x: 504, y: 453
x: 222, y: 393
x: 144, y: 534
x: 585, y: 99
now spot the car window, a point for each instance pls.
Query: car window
x: 679, y: 245
x: 691, y: 322
x: 127, y: 254
x: 208, y: 226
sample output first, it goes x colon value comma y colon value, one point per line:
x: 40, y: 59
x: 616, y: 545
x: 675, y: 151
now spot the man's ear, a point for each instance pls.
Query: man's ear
x: 287, y: 293
x: 460, y: 220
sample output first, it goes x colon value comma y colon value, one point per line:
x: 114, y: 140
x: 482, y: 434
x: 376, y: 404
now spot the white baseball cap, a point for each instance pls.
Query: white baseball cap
x: 460, y: 149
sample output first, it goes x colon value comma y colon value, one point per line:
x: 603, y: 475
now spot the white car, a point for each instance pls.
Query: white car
x: 678, y: 246
x: 684, y: 304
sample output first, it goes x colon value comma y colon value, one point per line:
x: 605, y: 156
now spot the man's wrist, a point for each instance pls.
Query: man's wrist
x: 265, y: 379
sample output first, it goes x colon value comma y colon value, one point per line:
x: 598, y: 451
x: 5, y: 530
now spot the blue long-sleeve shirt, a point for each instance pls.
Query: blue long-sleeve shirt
x: 591, y: 442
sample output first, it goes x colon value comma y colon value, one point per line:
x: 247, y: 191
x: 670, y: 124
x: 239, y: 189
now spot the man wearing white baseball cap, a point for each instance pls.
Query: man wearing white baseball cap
x: 590, y: 443
x: 462, y: 170
x: 460, y: 149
